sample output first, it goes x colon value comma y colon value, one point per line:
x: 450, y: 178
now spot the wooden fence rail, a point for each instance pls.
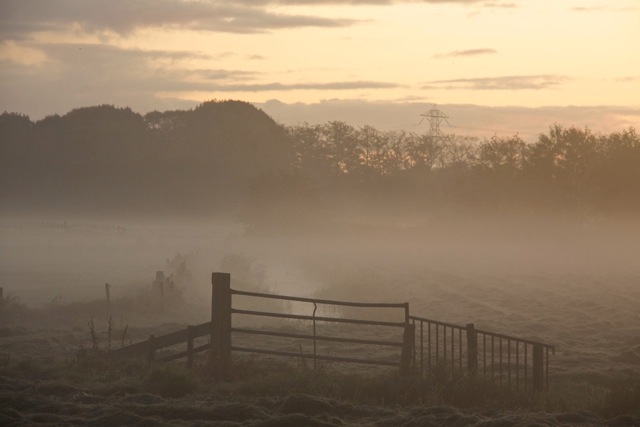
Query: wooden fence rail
x: 425, y: 344
x: 149, y: 347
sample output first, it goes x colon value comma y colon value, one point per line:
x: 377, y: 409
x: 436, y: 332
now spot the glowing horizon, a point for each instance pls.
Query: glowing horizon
x: 168, y: 54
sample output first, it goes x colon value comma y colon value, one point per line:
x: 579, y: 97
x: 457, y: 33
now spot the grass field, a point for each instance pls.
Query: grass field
x: 577, y: 288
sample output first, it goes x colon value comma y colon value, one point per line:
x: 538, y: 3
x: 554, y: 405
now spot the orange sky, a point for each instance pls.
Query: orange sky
x: 165, y: 54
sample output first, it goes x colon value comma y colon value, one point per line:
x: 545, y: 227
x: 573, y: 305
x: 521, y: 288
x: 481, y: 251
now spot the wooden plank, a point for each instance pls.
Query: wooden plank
x: 182, y: 354
x: 317, y: 337
x: 170, y: 339
x: 318, y: 319
x: 201, y: 330
x: 320, y: 301
x: 142, y: 347
x: 317, y: 357
x: 137, y: 349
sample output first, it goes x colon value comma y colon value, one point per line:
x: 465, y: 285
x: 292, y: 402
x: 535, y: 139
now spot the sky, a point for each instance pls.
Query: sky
x: 492, y: 67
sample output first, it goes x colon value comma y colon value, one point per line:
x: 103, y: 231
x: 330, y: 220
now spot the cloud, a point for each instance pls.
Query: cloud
x: 491, y: 5
x: 99, y: 66
x: 499, y: 5
x: 74, y: 75
x: 468, y: 52
x: 261, y: 87
x: 22, y: 17
x: 586, y: 9
x: 628, y: 79
x: 21, y: 54
x: 223, y: 74
x: 602, y: 9
x: 360, y: 2
x: 499, y: 83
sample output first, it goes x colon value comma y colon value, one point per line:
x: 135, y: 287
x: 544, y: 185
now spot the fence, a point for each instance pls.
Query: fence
x: 466, y: 351
x: 406, y: 352
x: 149, y: 347
x: 425, y: 345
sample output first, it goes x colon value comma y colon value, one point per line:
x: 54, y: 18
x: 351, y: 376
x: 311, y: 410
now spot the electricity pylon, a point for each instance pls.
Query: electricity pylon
x: 435, y: 117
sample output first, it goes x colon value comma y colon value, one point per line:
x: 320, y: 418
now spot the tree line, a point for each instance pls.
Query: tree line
x: 225, y: 156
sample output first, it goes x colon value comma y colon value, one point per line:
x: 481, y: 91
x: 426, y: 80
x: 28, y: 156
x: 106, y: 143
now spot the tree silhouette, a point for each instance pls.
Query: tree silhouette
x: 228, y: 156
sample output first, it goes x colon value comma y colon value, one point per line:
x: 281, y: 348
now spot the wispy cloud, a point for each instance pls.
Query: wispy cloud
x: 628, y: 79
x: 90, y: 74
x: 20, y: 17
x: 463, y: 53
x: 499, y: 5
x: 361, y: 2
x: 488, y: 5
x: 274, y: 86
x: 602, y: 9
x: 500, y: 83
x: 131, y: 68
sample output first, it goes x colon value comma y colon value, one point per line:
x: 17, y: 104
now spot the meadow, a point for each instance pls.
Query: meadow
x: 573, y: 286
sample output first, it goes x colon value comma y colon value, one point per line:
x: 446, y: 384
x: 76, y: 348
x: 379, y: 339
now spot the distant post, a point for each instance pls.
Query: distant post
x: 472, y: 350
x: 221, y: 319
x: 107, y: 286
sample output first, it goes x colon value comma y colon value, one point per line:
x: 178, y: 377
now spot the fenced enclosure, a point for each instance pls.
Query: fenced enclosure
x: 423, y: 345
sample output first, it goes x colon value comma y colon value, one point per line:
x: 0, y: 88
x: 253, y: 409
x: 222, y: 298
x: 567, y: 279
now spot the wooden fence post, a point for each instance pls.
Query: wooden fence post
x: 221, y: 319
x: 472, y: 350
x: 190, y: 346
x: 408, y: 344
x: 538, y: 372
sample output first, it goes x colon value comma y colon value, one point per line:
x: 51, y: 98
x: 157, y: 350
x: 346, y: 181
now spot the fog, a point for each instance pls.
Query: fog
x: 570, y: 283
x: 45, y: 259
x: 538, y: 241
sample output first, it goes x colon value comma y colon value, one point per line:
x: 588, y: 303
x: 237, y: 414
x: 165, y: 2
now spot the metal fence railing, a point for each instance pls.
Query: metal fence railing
x: 466, y: 351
